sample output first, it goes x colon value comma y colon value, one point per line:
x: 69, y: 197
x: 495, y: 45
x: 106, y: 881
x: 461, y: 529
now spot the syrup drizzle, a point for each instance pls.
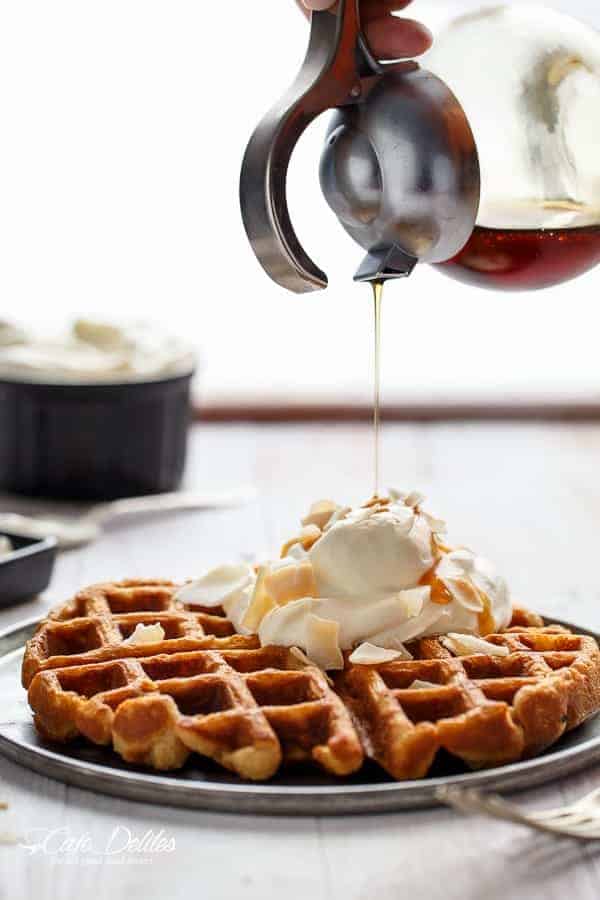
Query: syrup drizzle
x: 377, y: 295
x: 439, y: 592
x: 441, y: 595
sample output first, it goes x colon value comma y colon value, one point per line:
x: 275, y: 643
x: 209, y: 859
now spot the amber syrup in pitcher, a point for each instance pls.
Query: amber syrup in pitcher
x: 522, y: 257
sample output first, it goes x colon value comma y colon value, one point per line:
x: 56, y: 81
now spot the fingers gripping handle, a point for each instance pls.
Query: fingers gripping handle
x: 335, y: 63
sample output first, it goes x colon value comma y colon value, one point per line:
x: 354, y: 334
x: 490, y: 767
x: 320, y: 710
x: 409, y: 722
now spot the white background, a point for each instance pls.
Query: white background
x: 123, y: 126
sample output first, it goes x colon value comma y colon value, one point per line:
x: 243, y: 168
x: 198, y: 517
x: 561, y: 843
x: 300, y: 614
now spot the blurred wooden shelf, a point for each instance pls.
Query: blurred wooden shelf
x: 563, y: 410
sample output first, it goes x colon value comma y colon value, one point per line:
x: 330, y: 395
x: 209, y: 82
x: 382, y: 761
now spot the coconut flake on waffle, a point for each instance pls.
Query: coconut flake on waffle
x: 217, y: 586
x: 370, y: 655
x: 307, y: 536
x: 146, y: 634
x: 468, y: 644
x: 320, y: 513
x: 278, y: 584
x: 323, y: 642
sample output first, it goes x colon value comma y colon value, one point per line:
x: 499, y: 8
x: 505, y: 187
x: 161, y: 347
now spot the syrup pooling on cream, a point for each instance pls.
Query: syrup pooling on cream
x: 442, y: 595
x: 439, y: 592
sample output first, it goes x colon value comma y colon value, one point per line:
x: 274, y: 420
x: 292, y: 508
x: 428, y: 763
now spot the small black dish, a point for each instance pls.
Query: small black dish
x: 93, y: 441
x: 27, y: 569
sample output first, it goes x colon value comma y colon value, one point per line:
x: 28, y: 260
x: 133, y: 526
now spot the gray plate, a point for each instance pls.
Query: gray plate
x: 202, y: 785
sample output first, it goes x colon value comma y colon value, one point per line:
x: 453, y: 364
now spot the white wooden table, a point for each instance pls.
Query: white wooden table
x: 528, y: 496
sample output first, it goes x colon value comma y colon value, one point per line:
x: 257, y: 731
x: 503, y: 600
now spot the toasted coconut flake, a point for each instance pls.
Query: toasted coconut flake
x: 286, y: 625
x: 146, y: 634
x: 278, y: 585
x: 297, y: 552
x: 217, y: 586
x: 260, y: 604
x: 320, y: 513
x: 465, y: 593
x: 419, y: 685
x: 469, y: 645
x: 376, y: 502
x: 323, y: 642
x: 236, y: 606
x: 293, y: 582
x: 340, y: 513
x: 370, y: 655
x: 413, y: 600
x: 308, y: 536
x: 438, y: 526
x: 414, y: 499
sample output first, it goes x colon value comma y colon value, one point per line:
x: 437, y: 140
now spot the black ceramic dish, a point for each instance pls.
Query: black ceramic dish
x: 27, y: 570
x: 93, y: 441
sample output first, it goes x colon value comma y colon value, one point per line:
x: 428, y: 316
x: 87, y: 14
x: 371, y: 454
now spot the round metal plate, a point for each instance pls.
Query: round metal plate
x: 202, y: 785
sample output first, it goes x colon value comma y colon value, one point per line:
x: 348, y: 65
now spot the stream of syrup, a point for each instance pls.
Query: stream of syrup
x: 377, y: 297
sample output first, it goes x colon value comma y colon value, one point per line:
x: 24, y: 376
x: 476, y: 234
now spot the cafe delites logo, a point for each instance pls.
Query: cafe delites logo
x: 120, y: 845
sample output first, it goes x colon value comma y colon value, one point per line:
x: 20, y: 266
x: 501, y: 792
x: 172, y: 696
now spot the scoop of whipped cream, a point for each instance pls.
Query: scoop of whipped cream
x: 93, y: 351
x: 373, y: 552
x: 373, y: 578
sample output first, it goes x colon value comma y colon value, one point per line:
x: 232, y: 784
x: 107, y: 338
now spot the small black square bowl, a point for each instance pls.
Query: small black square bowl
x: 96, y: 441
x: 27, y: 569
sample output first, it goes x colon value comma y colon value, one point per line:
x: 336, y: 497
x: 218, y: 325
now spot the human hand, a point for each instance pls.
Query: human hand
x: 388, y: 36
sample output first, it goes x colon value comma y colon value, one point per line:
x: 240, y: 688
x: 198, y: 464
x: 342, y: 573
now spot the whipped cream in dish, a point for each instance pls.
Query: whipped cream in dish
x: 368, y: 580
x: 93, y: 351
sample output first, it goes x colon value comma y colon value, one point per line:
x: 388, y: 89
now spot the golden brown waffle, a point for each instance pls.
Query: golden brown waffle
x: 220, y: 696
x: 204, y: 689
x: 486, y: 710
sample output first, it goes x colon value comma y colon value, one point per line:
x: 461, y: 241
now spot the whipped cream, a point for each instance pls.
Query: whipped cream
x: 93, y: 351
x: 373, y: 554
x: 371, y: 580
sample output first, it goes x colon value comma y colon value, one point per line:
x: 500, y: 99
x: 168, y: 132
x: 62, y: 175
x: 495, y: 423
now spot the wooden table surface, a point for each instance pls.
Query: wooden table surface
x: 527, y: 495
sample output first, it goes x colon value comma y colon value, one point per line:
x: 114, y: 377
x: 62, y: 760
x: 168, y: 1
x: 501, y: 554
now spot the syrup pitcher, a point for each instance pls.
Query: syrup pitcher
x: 402, y: 157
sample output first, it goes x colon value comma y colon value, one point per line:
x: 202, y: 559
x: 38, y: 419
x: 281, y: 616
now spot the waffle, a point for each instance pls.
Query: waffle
x: 485, y: 710
x: 206, y: 690
x: 202, y: 689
